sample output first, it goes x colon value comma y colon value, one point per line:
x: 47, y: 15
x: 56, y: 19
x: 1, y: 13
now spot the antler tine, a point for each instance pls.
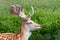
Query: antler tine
x: 18, y: 9
x: 22, y: 9
x: 21, y: 14
x: 32, y: 11
x: 12, y: 9
x: 29, y: 15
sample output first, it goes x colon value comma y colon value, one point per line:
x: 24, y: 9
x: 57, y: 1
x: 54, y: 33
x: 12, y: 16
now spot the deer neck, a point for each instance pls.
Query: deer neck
x: 24, y: 34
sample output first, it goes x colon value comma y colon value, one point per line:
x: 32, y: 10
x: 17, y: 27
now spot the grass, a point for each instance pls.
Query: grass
x: 47, y: 14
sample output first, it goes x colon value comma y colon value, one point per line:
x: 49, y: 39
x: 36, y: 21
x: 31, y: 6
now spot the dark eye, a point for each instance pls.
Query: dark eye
x: 30, y: 23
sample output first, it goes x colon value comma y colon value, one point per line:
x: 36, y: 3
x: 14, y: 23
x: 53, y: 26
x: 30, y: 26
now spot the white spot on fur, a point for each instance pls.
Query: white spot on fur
x: 0, y: 37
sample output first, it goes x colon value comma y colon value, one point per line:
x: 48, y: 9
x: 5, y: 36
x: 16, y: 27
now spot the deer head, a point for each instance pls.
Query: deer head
x: 27, y: 23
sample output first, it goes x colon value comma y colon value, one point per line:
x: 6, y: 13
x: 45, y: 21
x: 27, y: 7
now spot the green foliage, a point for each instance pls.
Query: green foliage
x: 47, y: 14
x: 9, y: 23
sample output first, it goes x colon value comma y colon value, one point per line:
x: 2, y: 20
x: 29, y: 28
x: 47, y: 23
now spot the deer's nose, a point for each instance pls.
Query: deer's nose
x: 40, y: 26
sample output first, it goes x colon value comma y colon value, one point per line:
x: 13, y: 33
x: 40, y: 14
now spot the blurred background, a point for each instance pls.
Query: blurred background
x: 47, y: 14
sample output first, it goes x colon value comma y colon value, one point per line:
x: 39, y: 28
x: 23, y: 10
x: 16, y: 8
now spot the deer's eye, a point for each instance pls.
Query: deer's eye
x: 30, y: 23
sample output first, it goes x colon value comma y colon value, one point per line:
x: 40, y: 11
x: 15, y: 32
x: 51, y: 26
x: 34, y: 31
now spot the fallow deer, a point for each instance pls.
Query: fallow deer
x: 26, y: 26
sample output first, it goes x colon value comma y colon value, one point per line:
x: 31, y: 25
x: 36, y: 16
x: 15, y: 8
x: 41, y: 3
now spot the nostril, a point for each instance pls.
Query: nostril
x: 40, y: 25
